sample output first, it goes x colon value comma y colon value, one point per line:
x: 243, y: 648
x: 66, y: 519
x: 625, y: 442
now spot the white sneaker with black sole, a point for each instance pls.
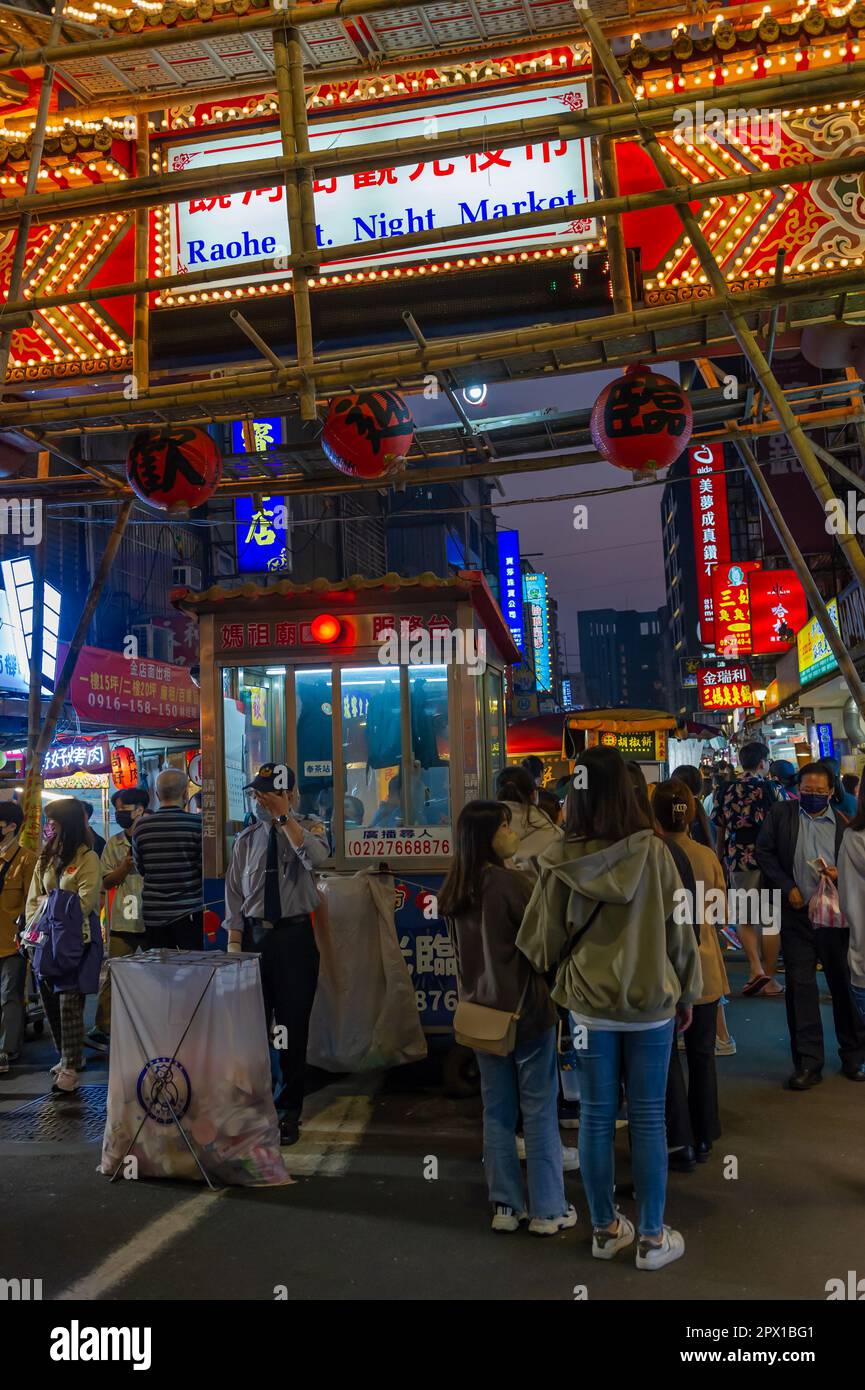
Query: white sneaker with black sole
x: 671, y: 1248
x: 506, y: 1219
x: 725, y: 1047
x: 551, y: 1225
x: 606, y: 1244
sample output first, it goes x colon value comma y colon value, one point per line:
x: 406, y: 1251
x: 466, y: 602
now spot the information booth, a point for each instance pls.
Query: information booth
x: 386, y: 696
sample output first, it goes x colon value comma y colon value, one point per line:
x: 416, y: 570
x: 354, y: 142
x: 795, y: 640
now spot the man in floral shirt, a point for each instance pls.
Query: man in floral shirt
x: 739, y: 811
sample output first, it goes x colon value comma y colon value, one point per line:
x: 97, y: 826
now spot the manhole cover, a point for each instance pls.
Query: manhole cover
x: 79, y: 1118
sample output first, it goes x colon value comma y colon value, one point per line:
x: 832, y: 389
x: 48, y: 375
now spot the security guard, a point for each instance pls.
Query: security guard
x: 269, y: 896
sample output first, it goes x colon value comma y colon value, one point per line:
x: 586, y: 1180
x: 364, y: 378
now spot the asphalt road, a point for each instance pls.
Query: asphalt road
x: 364, y: 1220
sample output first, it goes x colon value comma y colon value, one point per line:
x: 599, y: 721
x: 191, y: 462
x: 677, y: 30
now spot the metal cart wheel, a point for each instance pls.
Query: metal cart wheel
x: 460, y: 1073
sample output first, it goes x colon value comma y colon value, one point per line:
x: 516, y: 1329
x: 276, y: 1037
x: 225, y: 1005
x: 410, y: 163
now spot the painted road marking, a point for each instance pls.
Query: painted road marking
x: 327, y: 1141
x: 142, y: 1248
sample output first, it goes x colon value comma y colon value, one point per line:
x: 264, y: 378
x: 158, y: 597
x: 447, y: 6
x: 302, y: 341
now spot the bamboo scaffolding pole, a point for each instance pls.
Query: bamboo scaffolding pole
x: 597, y: 207
x: 304, y: 238
x: 32, y: 799
x: 34, y: 693
x: 333, y: 373
x: 99, y: 475
x: 291, y: 183
x: 802, y: 445
x: 636, y: 116
x: 19, y: 255
x: 141, y: 321
x: 617, y: 253
x: 800, y: 565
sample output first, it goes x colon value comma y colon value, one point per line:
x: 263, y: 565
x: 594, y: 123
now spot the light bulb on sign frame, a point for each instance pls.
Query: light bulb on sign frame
x: 475, y: 395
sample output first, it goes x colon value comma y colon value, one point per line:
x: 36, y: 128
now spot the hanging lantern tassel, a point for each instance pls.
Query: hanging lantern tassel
x: 642, y: 422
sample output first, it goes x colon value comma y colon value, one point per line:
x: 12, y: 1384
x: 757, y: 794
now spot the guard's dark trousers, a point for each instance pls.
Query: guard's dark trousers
x: 289, y: 975
x: 803, y: 946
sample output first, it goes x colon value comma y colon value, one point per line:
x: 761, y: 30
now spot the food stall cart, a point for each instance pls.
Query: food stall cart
x: 640, y: 735
x: 300, y: 674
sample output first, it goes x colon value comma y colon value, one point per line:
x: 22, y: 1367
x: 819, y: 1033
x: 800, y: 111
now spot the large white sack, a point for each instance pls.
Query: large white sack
x: 365, y: 1014
x: 188, y: 1033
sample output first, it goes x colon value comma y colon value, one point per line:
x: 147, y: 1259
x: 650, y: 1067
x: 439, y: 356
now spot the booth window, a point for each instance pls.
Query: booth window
x: 371, y: 751
x: 430, y: 746
x: 252, y: 724
x: 313, y: 692
x: 494, y: 727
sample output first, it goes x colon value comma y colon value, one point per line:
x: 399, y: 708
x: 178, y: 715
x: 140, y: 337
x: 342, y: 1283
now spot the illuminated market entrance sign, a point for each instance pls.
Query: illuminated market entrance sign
x: 388, y: 202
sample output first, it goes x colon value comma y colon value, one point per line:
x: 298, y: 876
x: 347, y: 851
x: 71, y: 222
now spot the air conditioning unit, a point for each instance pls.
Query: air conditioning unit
x: 186, y: 576
x: 155, y: 643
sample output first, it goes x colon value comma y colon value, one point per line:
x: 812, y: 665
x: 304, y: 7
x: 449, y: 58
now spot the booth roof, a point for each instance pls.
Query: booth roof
x: 621, y: 721
x: 355, y: 593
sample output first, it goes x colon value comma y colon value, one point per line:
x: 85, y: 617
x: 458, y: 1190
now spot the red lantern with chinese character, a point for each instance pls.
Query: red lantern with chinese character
x: 642, y: 422
x: 368, y: 434
x: 174, y: 469
x: 124, y: 768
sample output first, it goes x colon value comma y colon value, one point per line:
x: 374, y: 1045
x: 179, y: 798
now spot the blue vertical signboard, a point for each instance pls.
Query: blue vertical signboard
x: 535, y: 591
x: 261, y: 523
x: 509, y: 583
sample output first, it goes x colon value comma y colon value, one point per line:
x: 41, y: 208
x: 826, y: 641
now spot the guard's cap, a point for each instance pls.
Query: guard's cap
x: 266, y: 777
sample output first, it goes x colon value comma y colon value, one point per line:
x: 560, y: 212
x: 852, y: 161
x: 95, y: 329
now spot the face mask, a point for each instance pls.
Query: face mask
x: 49, y: 832
x: 262, y: 814
x: 505, y: 842
x: 124, y: 819
x: 813, y: 802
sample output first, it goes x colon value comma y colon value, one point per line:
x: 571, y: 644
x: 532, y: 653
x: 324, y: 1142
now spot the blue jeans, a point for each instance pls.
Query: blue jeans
x: 527, y: 1078
x: 645, y: 1057
x: 859, y: 999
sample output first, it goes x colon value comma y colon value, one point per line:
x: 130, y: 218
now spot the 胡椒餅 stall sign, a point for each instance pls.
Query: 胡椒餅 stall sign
x: 387, y: 202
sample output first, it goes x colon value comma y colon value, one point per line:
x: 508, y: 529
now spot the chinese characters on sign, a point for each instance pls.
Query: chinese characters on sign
x: 237, y: 636
x: 154, y: 694
x: 726, y: 687
x: 644, y: 745
x: 778, y: 609
x: 535, y: 593
x: 711, y: 526
x: 262, y: 534
x: 815, y: 654
x: 510, y: 583
x: 76, y: 755
x: 387, y: 202
x: 732, y: 607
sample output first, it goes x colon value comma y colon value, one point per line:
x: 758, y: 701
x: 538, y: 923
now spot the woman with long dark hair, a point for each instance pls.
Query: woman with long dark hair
x: 534, y: 829
x: 67, y: 861
x: 851, y: 891
x: 700, y: 829
x: 673, y: 806
x: 602, y: 916
x: 483, y: 903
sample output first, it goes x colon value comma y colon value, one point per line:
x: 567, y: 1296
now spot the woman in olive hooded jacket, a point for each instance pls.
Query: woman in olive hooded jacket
x: 602, y: 917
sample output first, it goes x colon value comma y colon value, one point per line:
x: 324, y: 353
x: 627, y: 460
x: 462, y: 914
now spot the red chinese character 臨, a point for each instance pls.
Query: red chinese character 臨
x: 232, y: 634
x: 375, y: 178
x: 479, y: 162
x: 544, y: 146
x: 324, y: 185
x: 286, y: 634
x: 258, y: 634
x: 208, y: 204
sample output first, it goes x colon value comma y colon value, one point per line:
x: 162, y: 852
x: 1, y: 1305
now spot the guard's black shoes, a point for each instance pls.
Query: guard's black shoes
x: 704, y: 1148
x: 854, y: 1073
x: 804, y: 1080
x: 289, y: 1131
x: 684, y: 1160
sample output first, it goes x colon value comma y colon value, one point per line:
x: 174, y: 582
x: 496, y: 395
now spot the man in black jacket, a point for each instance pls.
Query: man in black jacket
x: 793, y: 836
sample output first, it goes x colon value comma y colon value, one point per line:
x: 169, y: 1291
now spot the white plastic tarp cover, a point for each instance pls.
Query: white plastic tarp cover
x: 365, y: 1013
x: 188, y: 1035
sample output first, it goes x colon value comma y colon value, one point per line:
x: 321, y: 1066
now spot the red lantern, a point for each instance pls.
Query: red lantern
x: 124, y: 768
x: 325, y: 628
x: 175, y: 469
x: 368, y: 434
x: 642, y: 422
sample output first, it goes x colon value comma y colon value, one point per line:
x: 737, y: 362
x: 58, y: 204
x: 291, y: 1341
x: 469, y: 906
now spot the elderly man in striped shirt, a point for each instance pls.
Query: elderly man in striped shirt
x: 166, y: 851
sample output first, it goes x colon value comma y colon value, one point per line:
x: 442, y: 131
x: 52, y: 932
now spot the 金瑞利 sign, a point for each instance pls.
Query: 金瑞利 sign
x: 711, y: 526
x: 815, y: 654
x: 379, y: 203
x: 725, y: 687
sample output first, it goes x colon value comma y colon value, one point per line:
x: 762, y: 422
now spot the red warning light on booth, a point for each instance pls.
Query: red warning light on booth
x: 325, y: 628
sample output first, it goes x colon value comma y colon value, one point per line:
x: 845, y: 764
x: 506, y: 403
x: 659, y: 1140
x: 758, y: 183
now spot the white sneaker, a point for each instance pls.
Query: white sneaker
x: 65, y: 1082
x: 506, y: 1219
x: 606, y: 1244
x: 725, y: 1049
x: 551, y: 1225
x: 521, y: 1148
x: 672, y: 1247
x: 680, y: 1042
